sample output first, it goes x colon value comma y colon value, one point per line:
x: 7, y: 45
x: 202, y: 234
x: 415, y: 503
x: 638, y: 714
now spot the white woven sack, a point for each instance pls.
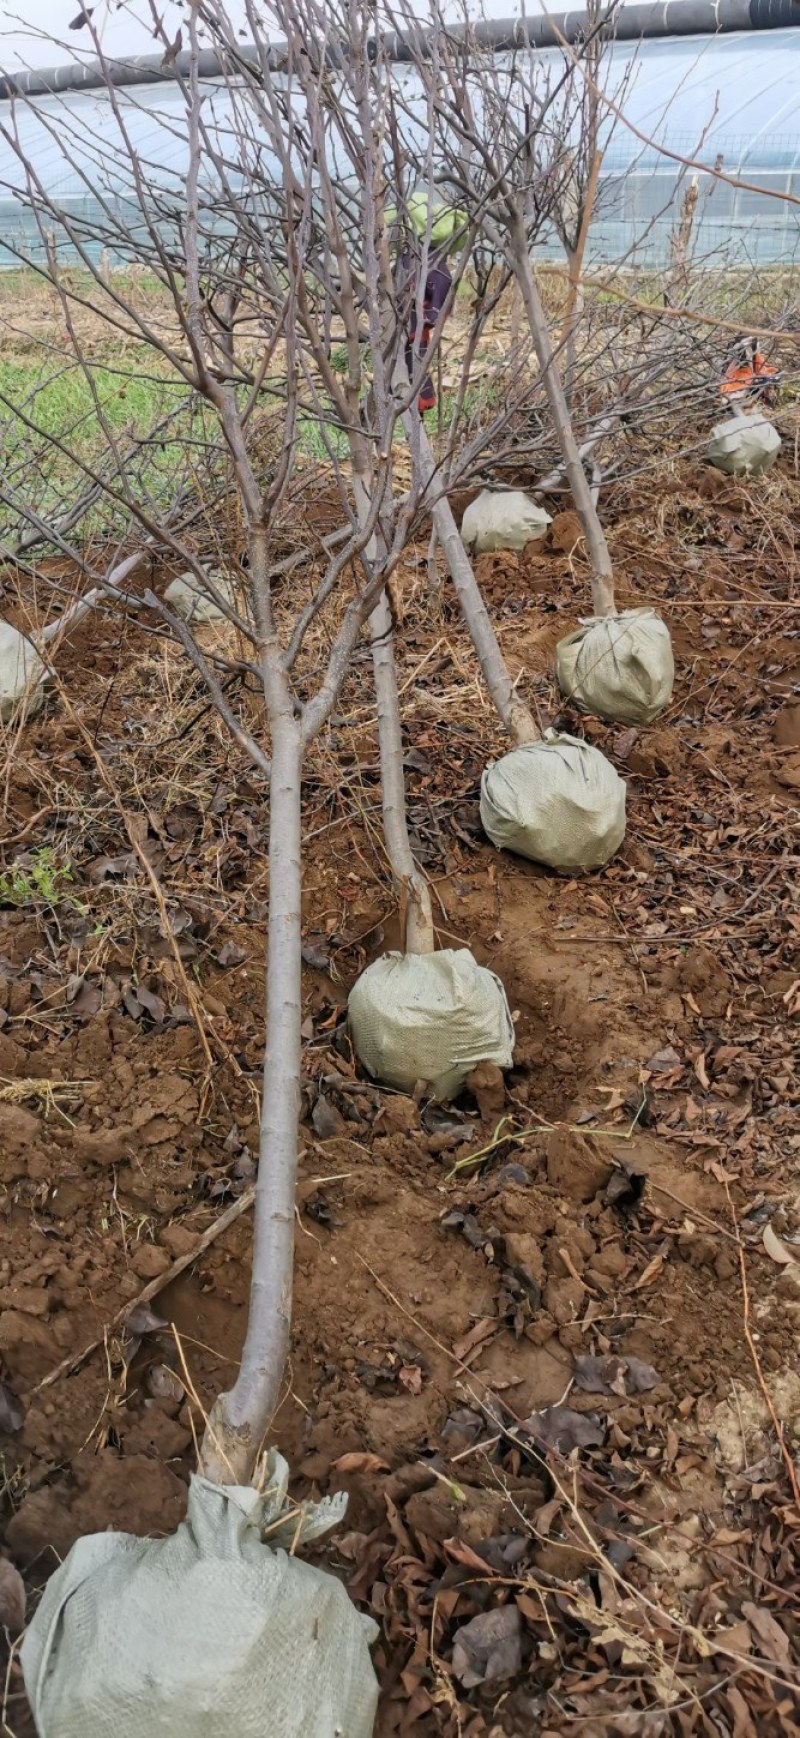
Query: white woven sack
x: 209, y: 1633
x: 744, y: 443
x: 21, y: 674
x: 620, y: 668
x: 187, y: 598
x: 558, y: 802
x: 502, y: 521
x: 429, y: 1017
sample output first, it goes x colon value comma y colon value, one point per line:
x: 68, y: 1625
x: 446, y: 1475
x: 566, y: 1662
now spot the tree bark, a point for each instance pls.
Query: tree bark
x: 513, y: 711
x: 419, y: 936
x: 602, y: 571
x: 240, y: 1419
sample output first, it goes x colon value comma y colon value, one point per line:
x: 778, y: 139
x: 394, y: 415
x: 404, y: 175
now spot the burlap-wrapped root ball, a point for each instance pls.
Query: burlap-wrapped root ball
x: 744, y: 443
x: 558, y: 802
x: 185, y: 595
x: 21, y: 674
x: 429, y: 1017
x: 502, y: 519
x: 217, y: 1630
x: 620, y: 668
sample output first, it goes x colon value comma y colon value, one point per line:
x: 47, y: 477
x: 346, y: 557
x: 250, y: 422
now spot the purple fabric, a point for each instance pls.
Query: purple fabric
x: 438, y: 284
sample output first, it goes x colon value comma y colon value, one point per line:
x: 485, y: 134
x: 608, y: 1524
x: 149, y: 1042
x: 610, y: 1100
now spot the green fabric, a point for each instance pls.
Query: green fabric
x: 209, y: 1633
x: 503, y: 519
x: 744, y: 443
x: 558, y: 802
x: 446, y: 221
x: 431, y: 1018
x: 619, y: 667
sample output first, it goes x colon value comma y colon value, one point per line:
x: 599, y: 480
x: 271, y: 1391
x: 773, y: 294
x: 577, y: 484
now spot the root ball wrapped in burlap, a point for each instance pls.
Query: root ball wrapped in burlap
x: 620, y: 667
x: 744, y: 443
x: 431, y: 1018
x: 205, y: 1634
x: 186, y: 596
x: 558, y: 802
x: 21, y: 674
x: 500, y: 519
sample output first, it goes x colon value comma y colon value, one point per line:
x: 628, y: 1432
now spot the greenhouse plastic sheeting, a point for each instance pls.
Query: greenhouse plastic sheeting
x: 558, y: 802
x: 500, y: 520
x: 744, y: 443
x: 620, y: 668
x: 209, y: 1633
x: 431, y: 1018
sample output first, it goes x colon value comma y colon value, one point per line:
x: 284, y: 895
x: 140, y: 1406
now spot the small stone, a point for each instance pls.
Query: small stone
x: 399, y: 1115
x: 179, y: 1239
x: 488, y: 1087
x: 107, y: 1146
x: 30, y: 1300
x: 149, y: 1261
x: 524, y: 1255
x: 611, y: 1261
x: 576, y: 1166
x: 563, y: 1299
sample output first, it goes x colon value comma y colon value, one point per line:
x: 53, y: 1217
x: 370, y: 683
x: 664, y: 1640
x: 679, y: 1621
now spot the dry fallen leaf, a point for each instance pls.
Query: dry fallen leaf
x: 488, y: 1649
x: 777, y: 1250
x: 649, y: 1273
x: 476, y: 1336
x: 559, y: 1427
x: 411, y: 1377
x: 357, y: 1462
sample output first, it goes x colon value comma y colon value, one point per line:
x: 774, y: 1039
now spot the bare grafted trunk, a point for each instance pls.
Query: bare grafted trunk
x: 419, y: 936
x: 240, y: 1419
x: 575, y: 257
x: 513, y: 711
x: 602, y: 572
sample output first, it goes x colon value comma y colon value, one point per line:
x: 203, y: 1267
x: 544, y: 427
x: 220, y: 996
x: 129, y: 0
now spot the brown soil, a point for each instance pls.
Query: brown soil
x: 652, y: 1137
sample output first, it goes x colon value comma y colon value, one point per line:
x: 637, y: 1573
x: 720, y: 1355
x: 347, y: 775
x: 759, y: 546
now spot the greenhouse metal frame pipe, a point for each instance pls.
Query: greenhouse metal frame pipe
x: 631, y: 23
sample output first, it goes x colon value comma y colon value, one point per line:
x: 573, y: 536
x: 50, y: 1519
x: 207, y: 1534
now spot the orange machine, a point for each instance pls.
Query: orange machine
x: 748, y: 374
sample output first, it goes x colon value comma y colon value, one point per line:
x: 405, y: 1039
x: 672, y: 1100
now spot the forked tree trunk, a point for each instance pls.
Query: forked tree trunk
x: 239, y: 1420
x: 602, y: 572
x: 415, y: 896
x: 515, y: 714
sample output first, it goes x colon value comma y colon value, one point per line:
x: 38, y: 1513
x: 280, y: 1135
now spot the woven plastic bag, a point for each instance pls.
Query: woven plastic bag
x: 749, y: 442
x: 497, y: 520
x: 620, y: 668
x: 558, y: 802
x: 21, y: 674
x: 186, y: 597
x: 210, y: 1633
x: 429, y: 1017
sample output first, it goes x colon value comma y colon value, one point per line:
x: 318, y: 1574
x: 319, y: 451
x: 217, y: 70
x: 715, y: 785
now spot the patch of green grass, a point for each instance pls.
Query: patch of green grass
x: 318, y: 440
x: 37, y: 880
x: 54, y: 420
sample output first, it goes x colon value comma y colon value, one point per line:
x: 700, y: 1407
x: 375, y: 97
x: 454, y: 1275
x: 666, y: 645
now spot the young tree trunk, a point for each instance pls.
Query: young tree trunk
x: 513, y: 711
x: 240, y: 1419
x: 419, y: 937
x: 575, y: 265
x: 602, y: 572
x: 434, y: 583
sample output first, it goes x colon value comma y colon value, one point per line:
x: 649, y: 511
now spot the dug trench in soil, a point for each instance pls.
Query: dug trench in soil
x: 643, y: 1147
